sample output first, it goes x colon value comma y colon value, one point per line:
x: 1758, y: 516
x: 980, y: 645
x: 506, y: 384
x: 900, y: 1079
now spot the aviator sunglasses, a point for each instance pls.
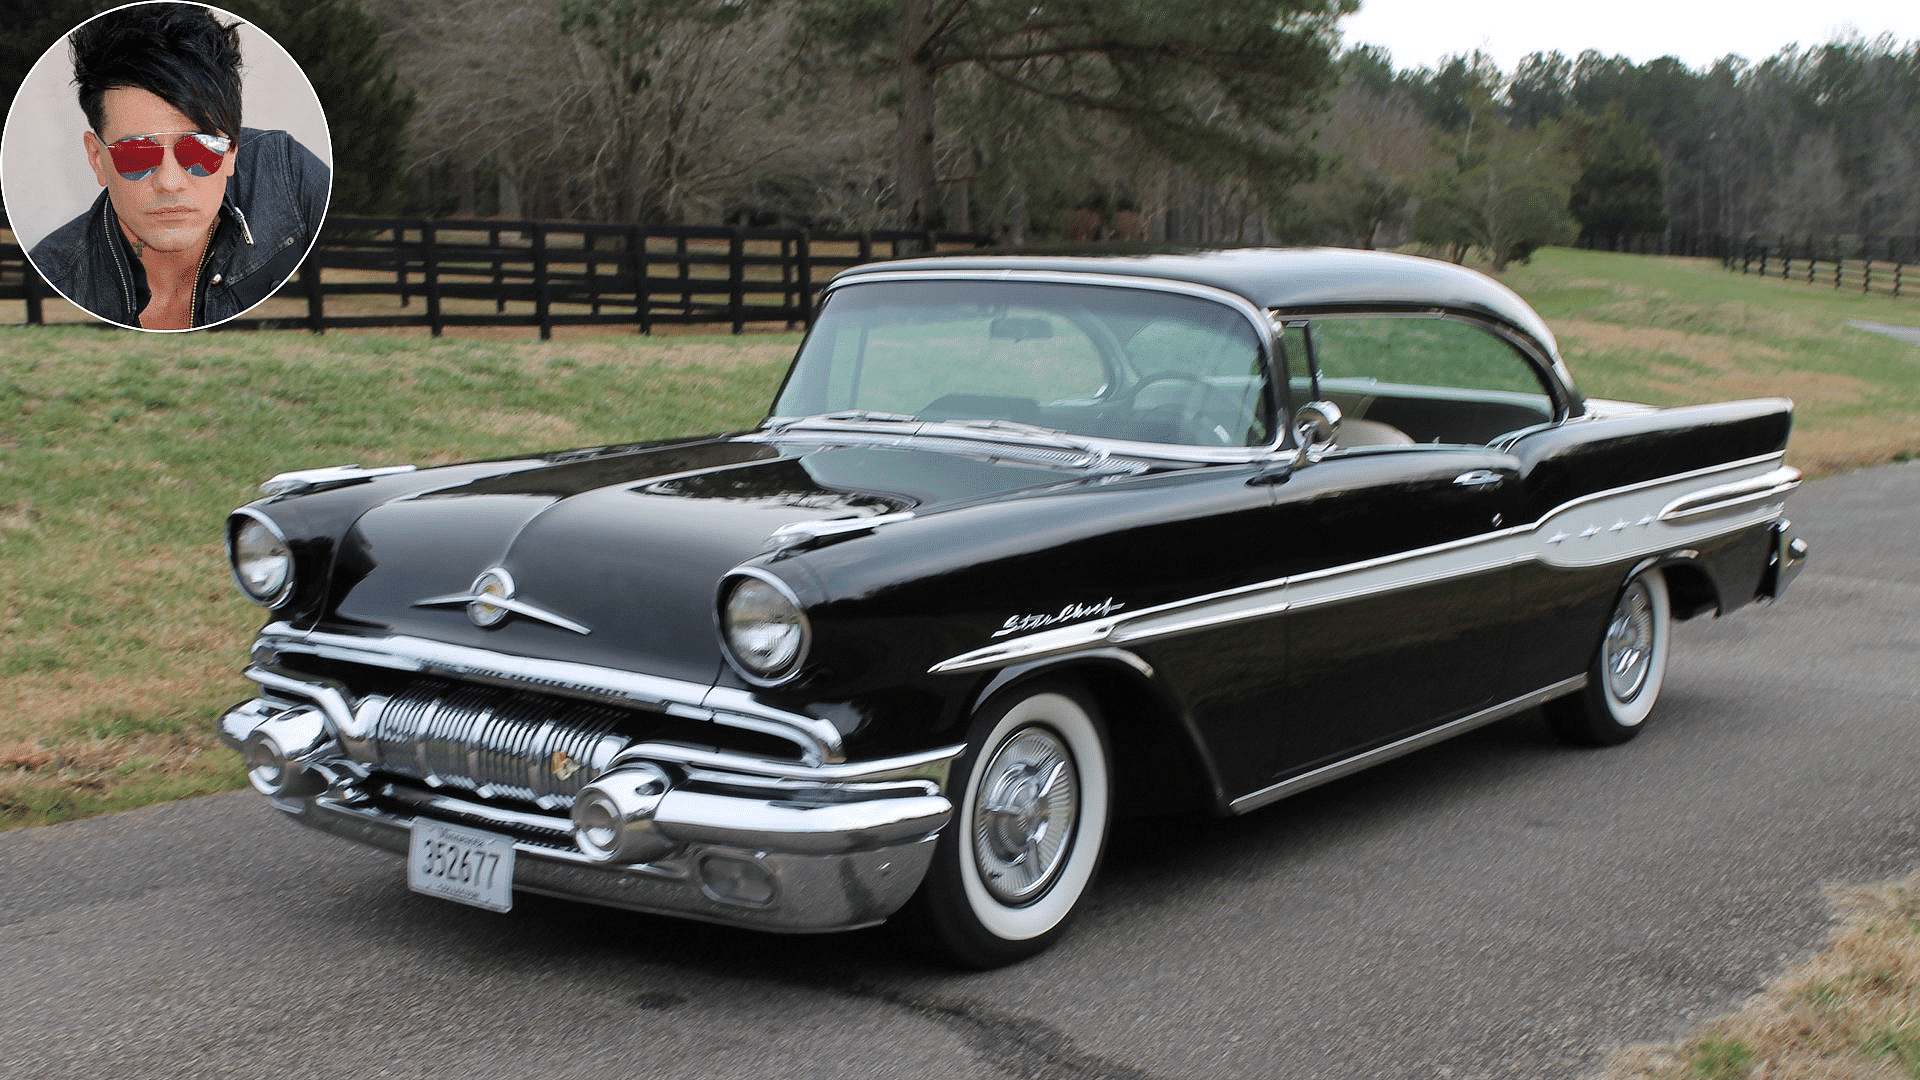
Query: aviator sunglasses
x: 135, y: 156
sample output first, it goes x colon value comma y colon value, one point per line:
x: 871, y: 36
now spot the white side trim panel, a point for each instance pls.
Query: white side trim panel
x: 1617, y: 526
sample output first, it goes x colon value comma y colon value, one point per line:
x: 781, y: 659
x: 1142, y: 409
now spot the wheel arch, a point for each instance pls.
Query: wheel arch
x: 1159, y: 765
x: 1691, y: 588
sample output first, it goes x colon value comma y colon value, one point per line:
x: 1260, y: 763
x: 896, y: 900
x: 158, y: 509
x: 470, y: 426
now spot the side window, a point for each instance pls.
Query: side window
x: 1421, y: 380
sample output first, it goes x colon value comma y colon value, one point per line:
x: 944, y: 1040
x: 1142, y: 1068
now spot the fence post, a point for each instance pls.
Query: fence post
x: 737, y: 280
x: 310, y: 280
x: 789, y: 295
x: 637, y: 247
x: 499, y: 271
x: 30, y: 285
x: 686, y: 276
x: 400, y: 273
x: 803, y: 251
x: 589, y: 250
x: 430, y: 257
x: 542, y: 306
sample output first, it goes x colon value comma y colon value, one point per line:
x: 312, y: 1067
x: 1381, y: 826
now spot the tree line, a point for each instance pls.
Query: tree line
x: 1821, y: 139
x: 1209, y: 121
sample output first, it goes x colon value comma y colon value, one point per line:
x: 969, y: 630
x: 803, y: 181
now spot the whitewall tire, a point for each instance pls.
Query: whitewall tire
x: 1628, y: 670
x: 1032, y: 799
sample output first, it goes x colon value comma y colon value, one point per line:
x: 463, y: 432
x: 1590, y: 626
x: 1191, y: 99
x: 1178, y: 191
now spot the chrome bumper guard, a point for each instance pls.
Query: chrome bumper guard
x: 663, y: 828
x: 1785, y: 559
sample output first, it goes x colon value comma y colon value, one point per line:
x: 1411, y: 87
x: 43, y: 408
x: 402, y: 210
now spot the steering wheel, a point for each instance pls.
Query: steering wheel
x: 1131, y: 395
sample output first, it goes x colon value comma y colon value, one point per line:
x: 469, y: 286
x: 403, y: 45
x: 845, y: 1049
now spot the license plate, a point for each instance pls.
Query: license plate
x: 466, y: 865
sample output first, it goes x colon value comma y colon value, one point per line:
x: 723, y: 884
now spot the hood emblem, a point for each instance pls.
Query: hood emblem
x: 491, y: 597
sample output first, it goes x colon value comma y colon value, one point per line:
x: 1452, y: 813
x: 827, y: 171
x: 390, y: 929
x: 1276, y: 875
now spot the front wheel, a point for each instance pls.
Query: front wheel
x: 1031, y: 805
x: 1627, y: 672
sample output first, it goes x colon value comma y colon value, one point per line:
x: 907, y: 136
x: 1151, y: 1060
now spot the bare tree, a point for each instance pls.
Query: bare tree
x: 659, y: 119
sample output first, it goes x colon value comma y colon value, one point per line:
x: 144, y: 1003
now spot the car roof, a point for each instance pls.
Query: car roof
x: 1282, y: 279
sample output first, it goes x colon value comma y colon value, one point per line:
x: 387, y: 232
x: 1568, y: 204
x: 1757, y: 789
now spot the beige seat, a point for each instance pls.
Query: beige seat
x: 1357, y: 432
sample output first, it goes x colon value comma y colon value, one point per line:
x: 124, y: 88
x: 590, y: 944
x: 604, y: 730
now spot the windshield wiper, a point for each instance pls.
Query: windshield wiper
x: 845, y: 416
x: 868, y: 416
x: 1030, y: 433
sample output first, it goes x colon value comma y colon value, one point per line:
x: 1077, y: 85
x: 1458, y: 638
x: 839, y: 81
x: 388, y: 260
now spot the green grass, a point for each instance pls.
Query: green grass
x: 1677, y: 331
x: 121, y: 453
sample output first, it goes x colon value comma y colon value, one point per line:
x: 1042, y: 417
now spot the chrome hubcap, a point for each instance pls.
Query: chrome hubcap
x: 1629, y: 650
x: 1024, y: 814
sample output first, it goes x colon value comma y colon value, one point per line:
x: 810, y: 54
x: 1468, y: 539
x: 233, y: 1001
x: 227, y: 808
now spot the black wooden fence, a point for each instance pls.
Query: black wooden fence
x: 1869, y: 264
x: 394, y: 272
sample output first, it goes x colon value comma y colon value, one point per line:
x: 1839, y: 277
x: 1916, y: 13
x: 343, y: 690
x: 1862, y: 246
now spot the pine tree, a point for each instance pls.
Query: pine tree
x: 1621, y: 191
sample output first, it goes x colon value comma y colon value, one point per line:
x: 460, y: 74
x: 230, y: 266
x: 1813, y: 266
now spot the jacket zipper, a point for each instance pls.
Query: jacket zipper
x: 193, y: 304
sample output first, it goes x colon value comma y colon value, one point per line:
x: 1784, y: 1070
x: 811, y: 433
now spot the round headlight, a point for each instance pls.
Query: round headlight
x: 763, y: 627
x: 262, y: 561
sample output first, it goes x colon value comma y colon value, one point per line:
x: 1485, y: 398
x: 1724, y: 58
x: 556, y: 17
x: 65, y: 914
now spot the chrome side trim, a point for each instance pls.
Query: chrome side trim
x: 1611, y: 526
x: 819, y: 741
x: 1348, y: 766
x: 1724, y: 497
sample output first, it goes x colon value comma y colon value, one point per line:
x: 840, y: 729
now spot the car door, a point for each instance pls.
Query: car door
x: 1399, y: 597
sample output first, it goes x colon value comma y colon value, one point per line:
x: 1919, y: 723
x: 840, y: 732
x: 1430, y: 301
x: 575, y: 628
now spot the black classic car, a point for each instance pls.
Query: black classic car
x: 1024, y: 541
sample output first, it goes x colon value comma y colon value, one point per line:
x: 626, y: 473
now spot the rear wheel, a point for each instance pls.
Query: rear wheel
x: 1627, y: 672
x: 1031, y: 804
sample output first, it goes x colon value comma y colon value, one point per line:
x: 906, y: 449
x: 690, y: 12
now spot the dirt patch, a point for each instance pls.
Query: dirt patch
x: 538, y: 429
x: 1847, y: 1013
x: 1709, y: 350
x: 706, y: 355
x: 1840, y: 446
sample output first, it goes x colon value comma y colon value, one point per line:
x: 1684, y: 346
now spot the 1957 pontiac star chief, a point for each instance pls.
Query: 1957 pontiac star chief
x: 1024, y: 539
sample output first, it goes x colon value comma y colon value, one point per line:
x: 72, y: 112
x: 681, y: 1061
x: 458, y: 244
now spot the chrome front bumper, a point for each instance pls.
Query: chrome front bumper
x: 692, y: 832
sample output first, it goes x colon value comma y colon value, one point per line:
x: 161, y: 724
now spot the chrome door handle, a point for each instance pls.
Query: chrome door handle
x: 1477, y: 478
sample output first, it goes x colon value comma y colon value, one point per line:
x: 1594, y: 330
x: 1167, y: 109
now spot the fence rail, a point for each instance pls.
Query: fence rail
x: 414, y: 272
x: 1882, y: 265
x: 1888, y: 265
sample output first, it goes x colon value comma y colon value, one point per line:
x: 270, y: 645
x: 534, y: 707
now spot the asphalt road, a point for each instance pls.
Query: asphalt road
x: 1496, y: 907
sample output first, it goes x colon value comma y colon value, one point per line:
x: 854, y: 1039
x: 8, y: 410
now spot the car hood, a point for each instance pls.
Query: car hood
x: 614, y: 557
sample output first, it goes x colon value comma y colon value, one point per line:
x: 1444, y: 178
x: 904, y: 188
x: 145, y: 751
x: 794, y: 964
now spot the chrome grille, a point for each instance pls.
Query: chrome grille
x: 494, y: 743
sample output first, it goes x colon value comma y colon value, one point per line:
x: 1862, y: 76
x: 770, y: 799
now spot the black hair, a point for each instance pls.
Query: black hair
x: 178, y: 52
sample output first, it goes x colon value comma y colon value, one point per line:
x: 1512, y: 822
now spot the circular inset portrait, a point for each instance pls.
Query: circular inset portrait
x: 166, y: 166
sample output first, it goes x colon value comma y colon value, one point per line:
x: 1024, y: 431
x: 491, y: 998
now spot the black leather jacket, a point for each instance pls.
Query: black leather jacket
x: 275, y: 201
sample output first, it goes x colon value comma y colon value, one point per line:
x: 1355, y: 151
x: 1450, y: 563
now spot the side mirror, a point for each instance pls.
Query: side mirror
x: 1317, y: 424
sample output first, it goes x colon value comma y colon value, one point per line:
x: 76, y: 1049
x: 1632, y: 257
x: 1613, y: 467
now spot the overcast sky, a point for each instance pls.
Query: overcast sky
x: 1420, y: 32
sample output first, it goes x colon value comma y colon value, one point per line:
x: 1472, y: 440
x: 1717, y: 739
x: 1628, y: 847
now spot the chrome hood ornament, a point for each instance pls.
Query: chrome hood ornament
x: 491, y: 597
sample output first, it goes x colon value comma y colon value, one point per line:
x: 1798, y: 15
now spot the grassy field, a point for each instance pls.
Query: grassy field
x: 120, y: 454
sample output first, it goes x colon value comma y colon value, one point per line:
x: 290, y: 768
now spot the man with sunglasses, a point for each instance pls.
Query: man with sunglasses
x: 201, y: 218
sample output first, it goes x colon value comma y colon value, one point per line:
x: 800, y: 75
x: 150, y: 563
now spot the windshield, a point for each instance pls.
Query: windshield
x: 1092, y: 360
